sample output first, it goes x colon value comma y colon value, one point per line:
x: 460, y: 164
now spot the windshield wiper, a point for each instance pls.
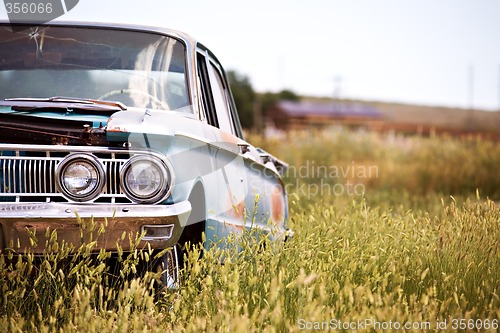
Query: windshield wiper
x: 66, y: 103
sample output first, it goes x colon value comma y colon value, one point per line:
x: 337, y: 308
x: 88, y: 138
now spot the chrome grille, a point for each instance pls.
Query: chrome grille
x: 29, y: 172
x: 25, y: 175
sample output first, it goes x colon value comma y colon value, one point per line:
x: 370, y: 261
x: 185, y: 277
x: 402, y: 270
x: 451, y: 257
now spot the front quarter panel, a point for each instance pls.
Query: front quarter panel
x: 240, y: 190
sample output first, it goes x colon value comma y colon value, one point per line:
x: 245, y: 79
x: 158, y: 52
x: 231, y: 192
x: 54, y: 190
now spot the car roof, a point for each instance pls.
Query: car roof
x: 188, y: 39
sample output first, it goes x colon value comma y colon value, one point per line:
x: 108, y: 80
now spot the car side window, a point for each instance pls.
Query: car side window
x: 220, y: 95
x: 206, y: 100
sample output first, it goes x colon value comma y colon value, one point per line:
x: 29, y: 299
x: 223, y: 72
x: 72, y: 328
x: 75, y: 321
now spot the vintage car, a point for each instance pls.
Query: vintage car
x: 131, y: 125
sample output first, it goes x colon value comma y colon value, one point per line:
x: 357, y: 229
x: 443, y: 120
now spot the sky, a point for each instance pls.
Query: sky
x: 430, y: 52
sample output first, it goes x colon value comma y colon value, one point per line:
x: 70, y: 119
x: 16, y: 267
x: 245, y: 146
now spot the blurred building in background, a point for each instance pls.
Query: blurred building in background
x: 288, y: 115
x: 300, y: 114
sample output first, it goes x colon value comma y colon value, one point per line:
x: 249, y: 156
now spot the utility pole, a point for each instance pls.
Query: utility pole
x: 470, y: 83
x: 470, y: 88
x: 498, y: 128
x: 498, y: 87
x: 337, y: 88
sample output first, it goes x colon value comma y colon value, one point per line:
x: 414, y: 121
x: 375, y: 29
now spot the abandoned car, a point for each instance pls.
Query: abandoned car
x: 132, y: 125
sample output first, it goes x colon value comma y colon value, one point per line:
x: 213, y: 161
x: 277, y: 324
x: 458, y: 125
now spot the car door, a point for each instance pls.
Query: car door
x: 228, y: 192
x: 246, y: 184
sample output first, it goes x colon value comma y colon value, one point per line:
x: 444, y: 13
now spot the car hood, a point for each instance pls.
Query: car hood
x: 77, y: 126
x: 95, y: 119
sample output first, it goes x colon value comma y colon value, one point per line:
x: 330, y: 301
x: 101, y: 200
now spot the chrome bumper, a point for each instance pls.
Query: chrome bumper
x: 72, y: 222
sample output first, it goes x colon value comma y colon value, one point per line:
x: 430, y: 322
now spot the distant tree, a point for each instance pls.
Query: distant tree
x: 269, y: 99
x: 244, y: 97
x: 288, y: 95
x: 252, y: 107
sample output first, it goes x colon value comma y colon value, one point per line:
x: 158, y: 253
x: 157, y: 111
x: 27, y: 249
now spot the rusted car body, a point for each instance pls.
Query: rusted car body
x: 129, y: 124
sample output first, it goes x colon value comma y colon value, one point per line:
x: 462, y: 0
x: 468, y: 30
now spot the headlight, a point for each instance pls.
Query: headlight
x: 145, y: 179
x: 80, y: 177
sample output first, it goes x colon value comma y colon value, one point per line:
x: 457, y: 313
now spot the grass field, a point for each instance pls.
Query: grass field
x: 392, y: 234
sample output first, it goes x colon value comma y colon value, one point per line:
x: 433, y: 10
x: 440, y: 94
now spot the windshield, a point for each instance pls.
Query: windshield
x: 138, y: 69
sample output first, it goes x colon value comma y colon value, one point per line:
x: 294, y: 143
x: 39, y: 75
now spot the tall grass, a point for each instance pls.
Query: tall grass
x: 418, y: 165
x: 81, y: 288
x: 387, y: 256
